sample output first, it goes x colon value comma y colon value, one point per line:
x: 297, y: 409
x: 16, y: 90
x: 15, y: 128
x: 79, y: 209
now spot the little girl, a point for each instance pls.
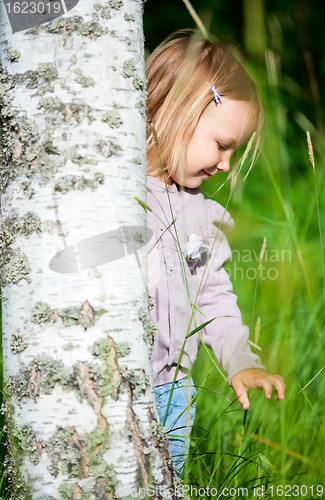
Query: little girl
x: 202, y: 106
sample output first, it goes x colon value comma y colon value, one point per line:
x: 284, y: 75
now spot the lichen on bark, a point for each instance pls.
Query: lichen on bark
x: 91, y: 29
x: 84, y: 315
x: 13, y: 55
x: 128, y: 68
x: 17, y: 269
x: 112, y: 118
x: 20, y: 487
x: 14, y: 265
x: 73, y: 182
x: 149, y: 326
x: 17, y: 140
x: 69, y: 25
x: 17, y: 342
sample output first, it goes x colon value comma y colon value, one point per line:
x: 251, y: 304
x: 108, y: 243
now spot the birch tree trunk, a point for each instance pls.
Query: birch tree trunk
x: 79, y: 401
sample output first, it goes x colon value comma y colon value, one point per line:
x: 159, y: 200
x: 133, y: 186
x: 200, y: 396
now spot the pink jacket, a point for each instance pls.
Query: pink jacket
x: 226, y: 335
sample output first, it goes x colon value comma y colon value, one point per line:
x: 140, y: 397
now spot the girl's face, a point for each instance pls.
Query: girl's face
x: 221, y: 130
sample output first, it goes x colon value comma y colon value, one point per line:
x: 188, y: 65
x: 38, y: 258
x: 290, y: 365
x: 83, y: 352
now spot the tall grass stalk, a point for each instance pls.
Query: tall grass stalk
x: 257, y: 277
x: 312, y: 161
x: 197, y: 20
x: 242, y: 434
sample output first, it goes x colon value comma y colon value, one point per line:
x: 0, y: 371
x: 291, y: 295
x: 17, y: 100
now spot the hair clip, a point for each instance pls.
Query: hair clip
x: 217, y: 97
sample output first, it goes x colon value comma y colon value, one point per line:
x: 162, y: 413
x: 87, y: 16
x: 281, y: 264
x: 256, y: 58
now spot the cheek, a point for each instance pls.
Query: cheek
x: 195, y: 156
x: 195, y: 145
x: 189, y: 150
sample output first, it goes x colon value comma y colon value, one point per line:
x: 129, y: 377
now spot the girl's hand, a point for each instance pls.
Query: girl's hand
x: 254, y: 378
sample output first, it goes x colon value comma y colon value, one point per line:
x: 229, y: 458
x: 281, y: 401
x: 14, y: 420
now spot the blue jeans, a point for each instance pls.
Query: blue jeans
x: 179, y: 419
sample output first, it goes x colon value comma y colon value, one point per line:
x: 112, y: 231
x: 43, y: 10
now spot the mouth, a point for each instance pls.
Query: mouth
x: 207, y: 173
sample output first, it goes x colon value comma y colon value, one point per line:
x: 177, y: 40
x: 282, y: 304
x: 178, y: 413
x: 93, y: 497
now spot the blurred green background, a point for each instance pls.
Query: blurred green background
x: 276, y: 445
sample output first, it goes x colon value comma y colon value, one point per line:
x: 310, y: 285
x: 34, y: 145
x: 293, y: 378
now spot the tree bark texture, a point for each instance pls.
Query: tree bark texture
x: 79, y: 400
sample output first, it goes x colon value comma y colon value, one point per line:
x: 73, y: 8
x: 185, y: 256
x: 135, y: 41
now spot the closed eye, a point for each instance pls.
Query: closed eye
x: 222, y: 147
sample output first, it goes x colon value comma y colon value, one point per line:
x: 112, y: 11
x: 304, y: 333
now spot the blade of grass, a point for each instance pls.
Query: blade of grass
x: 197, y: 20
x: 257, y: 278
x: 279, y: 447
x: 312, y: 380
x: 312, y: 161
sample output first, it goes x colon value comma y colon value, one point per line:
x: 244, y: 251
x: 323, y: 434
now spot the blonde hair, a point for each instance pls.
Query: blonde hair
x: 178, y: 72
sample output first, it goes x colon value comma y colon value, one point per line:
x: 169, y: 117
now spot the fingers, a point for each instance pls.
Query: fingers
x: 241, y: 394
x: 267, y: 384
x: 264, y: 383
x: 256, y: 379
x: 280, y: 387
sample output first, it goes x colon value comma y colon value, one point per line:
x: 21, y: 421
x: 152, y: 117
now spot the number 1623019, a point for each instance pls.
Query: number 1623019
x: 33, y: 7
x: 294, y: 490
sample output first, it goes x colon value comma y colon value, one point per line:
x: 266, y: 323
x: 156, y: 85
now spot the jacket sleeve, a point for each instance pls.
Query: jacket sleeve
x: 226, y: 335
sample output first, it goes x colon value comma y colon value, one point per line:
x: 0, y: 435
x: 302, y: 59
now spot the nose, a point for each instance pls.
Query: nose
x: 223, y: 165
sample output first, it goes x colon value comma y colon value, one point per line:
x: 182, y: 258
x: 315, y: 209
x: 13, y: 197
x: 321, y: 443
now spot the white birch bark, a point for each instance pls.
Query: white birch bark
x: 79, y: 403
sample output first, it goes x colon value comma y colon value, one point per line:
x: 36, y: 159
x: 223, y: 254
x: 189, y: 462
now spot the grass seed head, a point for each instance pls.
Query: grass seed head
x: 310, y: 150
